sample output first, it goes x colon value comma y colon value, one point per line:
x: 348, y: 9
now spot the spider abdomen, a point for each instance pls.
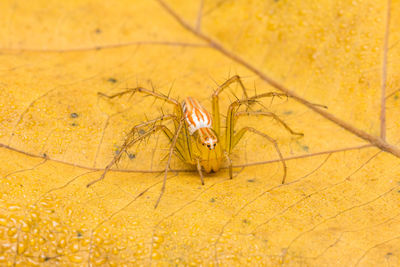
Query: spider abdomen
x: 199, y: 120
x: 195, y: 114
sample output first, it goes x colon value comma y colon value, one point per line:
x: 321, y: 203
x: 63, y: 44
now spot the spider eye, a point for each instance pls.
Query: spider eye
x: 208, y: 145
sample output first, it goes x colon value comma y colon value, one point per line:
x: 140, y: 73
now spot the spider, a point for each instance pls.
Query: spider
x: 198, y: 139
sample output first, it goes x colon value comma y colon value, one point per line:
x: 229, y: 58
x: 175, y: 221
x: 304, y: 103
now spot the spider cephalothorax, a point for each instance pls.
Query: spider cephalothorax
x: 197, y: 138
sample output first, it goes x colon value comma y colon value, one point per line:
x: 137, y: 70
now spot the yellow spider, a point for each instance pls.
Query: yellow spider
x: 197, y: 139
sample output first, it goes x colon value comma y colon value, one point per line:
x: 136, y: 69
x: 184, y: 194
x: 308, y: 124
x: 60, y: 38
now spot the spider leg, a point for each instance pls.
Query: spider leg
x: 143, y: 91
x: 199, y: 170
x: 215, y: 100
x: 171, y: 151
x: 180, y: 149
x: 228, y: 82
x: 268, y: 94
x: 185, y: 144
x: 274, y: 94
x: 131, y: 140
x: 269, y: 114
x: 231, y: 139
x: 230, y: 164
x: 233, y: 110
x: 241, y: 133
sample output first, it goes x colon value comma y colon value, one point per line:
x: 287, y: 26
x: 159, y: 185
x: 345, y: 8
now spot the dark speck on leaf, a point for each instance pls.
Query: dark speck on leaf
x: 98, y: 31
x: 141, y: 131
x: 212, y: 200
x: 396, y: 97
x: 251, y: 180
x: 78, y: 234
x: 74, y: 115
x: 74, y: 124
x: 132, y: 156
x: 288, y: 112
x: 112, y: 80
x: 305, y: 148
x: 47, y: 258
x: 246, y: 221
x: 44, y: 155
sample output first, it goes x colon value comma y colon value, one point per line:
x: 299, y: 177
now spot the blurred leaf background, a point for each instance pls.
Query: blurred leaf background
x: 340, y: 203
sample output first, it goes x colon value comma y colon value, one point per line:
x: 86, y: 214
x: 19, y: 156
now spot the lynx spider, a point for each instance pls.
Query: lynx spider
x: 197, y: 139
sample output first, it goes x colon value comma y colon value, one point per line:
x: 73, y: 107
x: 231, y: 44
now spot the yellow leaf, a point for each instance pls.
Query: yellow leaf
x: 339, y: 205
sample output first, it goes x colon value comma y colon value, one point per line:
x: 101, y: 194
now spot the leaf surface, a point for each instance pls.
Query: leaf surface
x: 340, y: 201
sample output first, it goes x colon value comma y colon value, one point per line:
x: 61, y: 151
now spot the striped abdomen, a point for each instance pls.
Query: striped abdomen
x: 199, y: 120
